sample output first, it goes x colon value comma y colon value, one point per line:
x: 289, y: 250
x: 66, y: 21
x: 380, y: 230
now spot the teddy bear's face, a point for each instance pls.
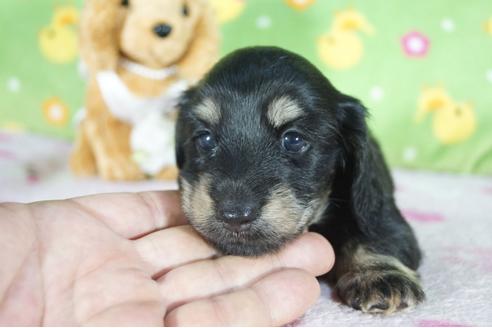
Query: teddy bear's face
x: 156, y: 33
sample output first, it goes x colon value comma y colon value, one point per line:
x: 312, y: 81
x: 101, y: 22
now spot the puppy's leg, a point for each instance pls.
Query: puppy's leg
x: 374, y: 282
x: 376, y: 251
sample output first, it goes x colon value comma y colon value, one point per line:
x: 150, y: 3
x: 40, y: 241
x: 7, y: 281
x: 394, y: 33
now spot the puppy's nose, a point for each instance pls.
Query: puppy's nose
x: 162, y: 30
x: 237, y: 217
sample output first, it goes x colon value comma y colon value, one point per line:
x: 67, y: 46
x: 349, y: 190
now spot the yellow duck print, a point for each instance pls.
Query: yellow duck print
x: 488, y: 26
x: 58, y: 41
x: 227, y: 10
x: 453, y: 122
x: 13, y: 127
x: 299, y: 5
x: 341, y: 47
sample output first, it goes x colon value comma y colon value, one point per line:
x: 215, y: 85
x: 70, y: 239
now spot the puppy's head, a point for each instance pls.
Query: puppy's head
x: 258, y: 143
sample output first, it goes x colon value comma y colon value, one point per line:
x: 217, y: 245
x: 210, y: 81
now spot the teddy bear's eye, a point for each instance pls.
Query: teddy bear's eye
x: 125, y: 3
x: 186, y: 10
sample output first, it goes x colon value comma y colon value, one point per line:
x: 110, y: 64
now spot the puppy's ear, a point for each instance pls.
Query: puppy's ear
x: 180, y: 156
x: 179, y: 140
x: 203, y: 50
x: 363, y: 164
x: 99, y: 29
x: 182, y: 132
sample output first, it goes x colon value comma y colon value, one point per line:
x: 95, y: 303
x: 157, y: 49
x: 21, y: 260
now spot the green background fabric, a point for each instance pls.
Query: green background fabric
x: 41, y: 95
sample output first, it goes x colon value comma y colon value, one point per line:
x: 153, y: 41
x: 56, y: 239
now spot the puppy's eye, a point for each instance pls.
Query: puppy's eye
x: 125, y: 3
x: 185, y: 10
x: 206, y: 141
x: 293, y: 142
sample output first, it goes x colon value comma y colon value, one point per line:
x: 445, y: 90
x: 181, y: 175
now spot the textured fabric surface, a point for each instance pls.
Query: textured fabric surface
x: 35, y: 168
x: 452, y: 217
x: 451, y: 214
x: 423, y: 68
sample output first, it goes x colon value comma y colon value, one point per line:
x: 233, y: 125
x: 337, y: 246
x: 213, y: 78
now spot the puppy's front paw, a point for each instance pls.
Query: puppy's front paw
x: 380, y: 290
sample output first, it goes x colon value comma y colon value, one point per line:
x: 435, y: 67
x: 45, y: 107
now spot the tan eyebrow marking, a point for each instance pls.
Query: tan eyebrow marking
x: 208, y: 111
x: 283, y: 110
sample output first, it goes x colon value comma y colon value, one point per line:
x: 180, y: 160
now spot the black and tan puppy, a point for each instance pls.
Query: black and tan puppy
x: 267, y: 148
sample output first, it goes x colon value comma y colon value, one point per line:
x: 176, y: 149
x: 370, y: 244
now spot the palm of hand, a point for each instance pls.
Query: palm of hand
x: 96, y: 274
x: 125, y: 269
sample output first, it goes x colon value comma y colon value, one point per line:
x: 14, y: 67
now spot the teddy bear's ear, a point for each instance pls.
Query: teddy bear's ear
x: 204, y: 47
x: 99, y: 34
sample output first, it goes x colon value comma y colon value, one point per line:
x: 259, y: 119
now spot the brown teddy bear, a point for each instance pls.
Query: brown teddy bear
x: 140, y: 55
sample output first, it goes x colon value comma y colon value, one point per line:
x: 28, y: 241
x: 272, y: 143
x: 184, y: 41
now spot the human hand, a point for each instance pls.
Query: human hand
x: 131, y: 259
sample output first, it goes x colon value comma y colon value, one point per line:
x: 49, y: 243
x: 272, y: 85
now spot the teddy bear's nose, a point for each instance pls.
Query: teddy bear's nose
x: 162, y: 30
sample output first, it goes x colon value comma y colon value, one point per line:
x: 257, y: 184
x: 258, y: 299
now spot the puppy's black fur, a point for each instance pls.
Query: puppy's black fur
x: 248, y: 193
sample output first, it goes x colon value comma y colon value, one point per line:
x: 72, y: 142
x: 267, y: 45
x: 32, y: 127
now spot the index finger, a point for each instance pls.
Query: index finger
x: 133, y: 215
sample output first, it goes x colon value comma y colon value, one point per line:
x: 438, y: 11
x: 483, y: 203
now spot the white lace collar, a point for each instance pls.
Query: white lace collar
x: 147, y: 72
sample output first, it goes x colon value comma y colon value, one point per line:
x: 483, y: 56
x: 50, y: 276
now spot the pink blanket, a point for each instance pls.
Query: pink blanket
x: 452, y: 216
